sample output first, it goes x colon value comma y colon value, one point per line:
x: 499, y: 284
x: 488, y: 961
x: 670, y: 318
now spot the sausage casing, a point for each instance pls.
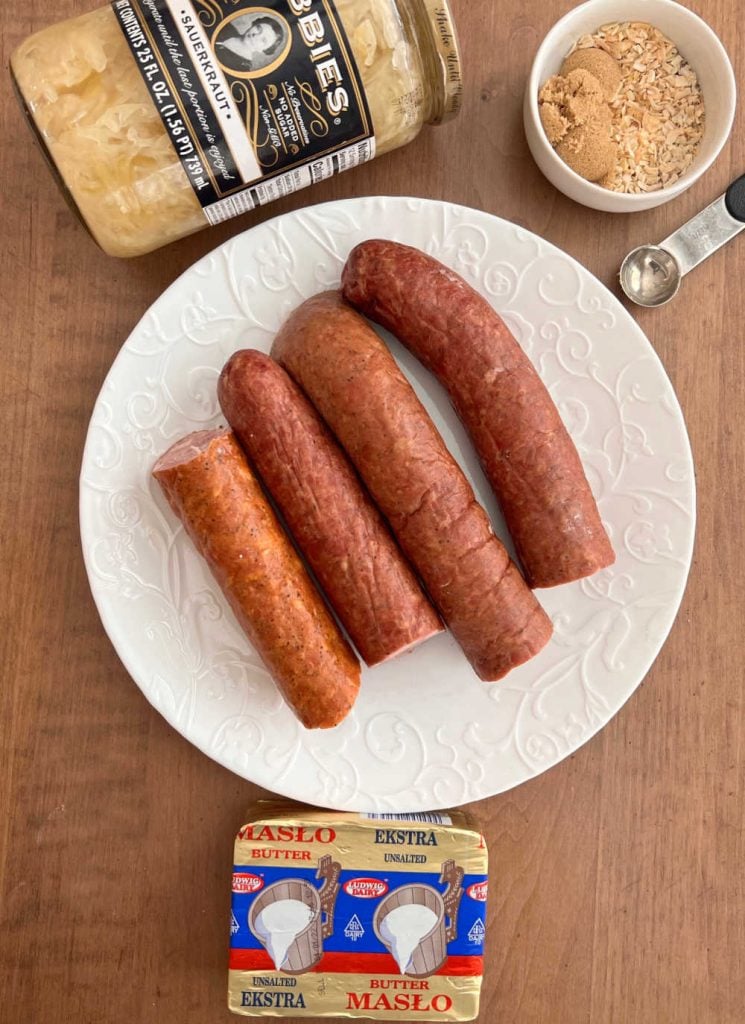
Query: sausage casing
x: 342, y: 535
x: 527, y: 453
x: 356, y: 385
x: 210, y: 487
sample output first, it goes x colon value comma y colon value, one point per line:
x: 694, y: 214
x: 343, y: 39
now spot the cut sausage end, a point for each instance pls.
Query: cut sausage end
x: 407, y: 648
x: 537, y: 634
x: 187, y: 448
x: 550, y: 580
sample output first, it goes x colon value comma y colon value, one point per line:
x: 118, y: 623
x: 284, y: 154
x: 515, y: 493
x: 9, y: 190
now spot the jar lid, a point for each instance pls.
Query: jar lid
x: 448, y: 57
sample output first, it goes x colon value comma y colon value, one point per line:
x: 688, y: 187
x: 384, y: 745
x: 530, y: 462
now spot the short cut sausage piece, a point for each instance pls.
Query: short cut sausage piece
x: 209, y: 486
x: 358, y: 564
x: 527, y: 453
x: 356, y: 385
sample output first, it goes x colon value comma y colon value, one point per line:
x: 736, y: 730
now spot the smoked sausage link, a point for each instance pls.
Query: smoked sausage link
x: 527, y: 453
x: 342, y: 535
x: 209, y: 486
x: 356, y: 385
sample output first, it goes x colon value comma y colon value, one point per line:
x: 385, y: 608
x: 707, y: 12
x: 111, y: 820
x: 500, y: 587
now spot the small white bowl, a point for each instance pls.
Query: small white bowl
x: 700, y: 47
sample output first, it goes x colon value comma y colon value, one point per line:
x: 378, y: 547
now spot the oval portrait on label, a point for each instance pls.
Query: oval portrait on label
x: 252, y: 44
x: 366, y: 888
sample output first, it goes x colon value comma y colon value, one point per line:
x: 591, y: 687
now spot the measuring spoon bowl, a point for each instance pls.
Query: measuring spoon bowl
x: 650, y: 276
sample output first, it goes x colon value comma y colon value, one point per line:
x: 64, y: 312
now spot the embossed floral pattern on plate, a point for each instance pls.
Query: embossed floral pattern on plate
x: 425, y: 733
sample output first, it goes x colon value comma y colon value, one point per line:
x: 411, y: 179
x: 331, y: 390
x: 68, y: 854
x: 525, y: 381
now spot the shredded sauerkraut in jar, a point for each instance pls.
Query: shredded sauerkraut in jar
x: 95, y: 114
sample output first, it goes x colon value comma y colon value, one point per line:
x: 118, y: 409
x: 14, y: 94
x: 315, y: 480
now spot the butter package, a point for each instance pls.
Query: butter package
x: 358, y: 916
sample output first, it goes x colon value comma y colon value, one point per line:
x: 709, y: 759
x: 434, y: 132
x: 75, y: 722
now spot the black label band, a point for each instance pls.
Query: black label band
x: 257, y: 99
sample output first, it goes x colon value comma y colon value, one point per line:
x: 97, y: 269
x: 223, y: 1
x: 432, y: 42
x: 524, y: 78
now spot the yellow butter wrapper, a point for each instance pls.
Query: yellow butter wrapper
x: 376, y: 916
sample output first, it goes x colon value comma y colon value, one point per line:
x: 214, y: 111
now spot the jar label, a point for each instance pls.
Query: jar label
x: 259, y: 100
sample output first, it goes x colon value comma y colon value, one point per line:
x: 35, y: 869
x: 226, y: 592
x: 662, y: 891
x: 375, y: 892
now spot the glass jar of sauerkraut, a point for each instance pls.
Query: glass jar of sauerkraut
x: 163, y: 116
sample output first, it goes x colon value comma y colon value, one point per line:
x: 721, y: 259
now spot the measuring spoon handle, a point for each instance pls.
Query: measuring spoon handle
x: 735, y: 199
x: 710, y: 229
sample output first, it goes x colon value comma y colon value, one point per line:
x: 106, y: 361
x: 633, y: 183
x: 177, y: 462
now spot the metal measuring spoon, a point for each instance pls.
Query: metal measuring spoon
x: 651, y: 275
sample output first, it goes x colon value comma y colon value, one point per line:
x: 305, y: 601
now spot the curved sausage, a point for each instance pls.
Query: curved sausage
x: 367, y: 580
x: 209, y: 486
x: 356, y: 385
x: 527, y: 453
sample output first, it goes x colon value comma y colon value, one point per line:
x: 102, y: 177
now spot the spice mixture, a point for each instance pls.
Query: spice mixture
x: 654, y: 100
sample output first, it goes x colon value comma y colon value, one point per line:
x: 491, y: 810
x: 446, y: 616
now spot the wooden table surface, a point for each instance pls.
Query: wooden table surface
x: 616, y: 878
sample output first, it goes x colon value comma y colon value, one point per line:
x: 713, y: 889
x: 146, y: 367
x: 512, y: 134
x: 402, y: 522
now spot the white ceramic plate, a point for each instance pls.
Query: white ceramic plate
x: 425, y: 732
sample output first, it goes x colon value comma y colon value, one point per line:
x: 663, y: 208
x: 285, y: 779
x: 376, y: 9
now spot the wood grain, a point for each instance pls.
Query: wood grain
x: 617, y: 878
